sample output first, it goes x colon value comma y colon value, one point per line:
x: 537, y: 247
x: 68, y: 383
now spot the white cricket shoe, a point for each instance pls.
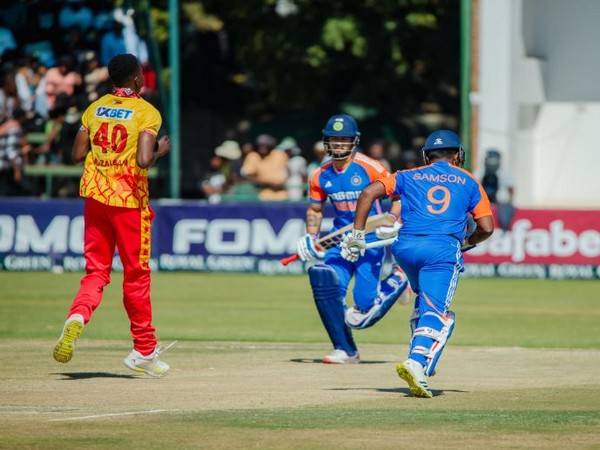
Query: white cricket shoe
x: 413, y: 373
x: 341, y: 357
x: 65, y: 346
x: 150, y: 364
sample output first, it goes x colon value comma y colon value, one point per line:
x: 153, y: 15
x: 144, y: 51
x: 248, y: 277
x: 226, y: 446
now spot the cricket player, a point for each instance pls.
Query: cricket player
x: 436, y: 202
x: 341, y: 180
x: 118, y: 140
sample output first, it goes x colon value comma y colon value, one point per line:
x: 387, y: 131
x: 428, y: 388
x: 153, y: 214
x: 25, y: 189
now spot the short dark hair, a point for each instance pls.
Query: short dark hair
x: 441, y: 153
x: 122, y: 68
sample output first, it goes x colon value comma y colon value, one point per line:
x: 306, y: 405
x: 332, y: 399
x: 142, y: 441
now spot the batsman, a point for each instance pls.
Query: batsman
x: 341, y: 180
x: 437, y: 200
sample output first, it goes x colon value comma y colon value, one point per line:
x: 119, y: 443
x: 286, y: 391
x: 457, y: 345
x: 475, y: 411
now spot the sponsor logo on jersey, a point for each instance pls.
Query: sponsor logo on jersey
x: 328, y: 184
x: 344, y: 195
x: 106, y: 112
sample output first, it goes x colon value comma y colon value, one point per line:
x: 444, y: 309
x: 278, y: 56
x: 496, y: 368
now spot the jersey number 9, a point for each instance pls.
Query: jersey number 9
x: 439, y: 203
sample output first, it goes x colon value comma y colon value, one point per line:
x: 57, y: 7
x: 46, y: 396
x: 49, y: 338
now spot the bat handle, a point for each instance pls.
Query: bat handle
x: 289, y: 259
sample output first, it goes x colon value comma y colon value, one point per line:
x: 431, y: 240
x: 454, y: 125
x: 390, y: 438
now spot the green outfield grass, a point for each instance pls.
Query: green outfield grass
x: 231, y: 307
x: 244, y: 374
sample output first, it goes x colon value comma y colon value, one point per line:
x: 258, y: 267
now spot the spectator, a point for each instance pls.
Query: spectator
x: 12, y: 147
x: 95, y: 77
x: 150, y: 81
x: 247, y: 148
x: 25, y: 81
x: 377, y: 151
x: 40, y: 104
x: 75, y: 14
x: 133, y: 43
x: 220, y: 178
x: 51, y: 151
x: 296, y: 181
x: 498, y: 185
x: 61, y: 79
x: 267, y: 168
x: 320, y: 158
x: 9, y: 99
x: 112, y: 43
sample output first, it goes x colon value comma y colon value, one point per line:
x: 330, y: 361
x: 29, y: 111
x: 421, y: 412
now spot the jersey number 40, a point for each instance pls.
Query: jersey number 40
x: 118, y: 138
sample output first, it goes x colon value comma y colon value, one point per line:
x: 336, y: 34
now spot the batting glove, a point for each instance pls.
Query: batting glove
x: 308, y: 249
x: 353, y: 246
x: 387, y: 232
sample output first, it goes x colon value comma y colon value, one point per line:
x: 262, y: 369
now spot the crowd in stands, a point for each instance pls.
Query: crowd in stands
x: 53, y: 57
x: 270, y: 171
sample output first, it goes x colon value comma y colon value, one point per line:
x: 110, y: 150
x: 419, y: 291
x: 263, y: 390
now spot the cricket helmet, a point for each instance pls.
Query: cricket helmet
x: 444, y: 139
x: 340, y: 136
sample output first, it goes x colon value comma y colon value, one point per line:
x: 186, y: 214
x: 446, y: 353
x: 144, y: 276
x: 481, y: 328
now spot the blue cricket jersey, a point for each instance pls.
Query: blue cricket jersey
x: 343, y: 188
x: 437, y: 198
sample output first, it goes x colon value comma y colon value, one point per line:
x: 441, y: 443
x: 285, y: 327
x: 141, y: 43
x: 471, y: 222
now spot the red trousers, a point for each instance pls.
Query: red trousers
x: 129, y: 229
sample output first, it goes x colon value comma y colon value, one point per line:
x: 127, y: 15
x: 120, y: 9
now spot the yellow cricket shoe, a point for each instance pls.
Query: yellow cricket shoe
x: 412, y: 372
x: 64, y: 348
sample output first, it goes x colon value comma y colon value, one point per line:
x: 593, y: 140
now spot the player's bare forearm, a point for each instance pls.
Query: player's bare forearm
x: 365, y: 202
x: 81, y: 145
x: 148, y: 151
x: 485, y: 228
x: 396, y: 207
x: 314, y: 217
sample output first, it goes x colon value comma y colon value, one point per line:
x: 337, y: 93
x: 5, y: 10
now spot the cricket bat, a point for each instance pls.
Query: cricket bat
x: 332, y: 239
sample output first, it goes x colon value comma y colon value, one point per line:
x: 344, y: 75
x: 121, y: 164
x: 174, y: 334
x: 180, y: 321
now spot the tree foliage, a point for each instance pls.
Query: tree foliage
x: 391, y: 56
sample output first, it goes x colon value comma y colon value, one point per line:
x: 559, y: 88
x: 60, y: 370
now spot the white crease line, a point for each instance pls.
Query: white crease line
x: 99, y: 416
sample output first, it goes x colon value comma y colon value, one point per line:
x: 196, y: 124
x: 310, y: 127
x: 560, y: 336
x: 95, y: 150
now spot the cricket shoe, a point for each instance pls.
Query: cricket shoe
x: 150, y: 364
x: 64, y: 348
x: 341, y: 357
x: 413, y: 373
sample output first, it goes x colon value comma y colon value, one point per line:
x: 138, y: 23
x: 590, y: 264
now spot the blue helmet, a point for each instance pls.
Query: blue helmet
x: 444, y: 139
x: 341, y: 126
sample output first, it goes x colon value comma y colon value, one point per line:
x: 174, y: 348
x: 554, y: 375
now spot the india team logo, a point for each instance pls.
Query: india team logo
x: 356, y: 180
x: 438, y: 141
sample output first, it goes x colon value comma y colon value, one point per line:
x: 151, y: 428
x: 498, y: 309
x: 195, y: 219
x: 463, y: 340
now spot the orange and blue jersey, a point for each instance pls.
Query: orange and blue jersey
x: 343, y: 188
x: 437, y: 198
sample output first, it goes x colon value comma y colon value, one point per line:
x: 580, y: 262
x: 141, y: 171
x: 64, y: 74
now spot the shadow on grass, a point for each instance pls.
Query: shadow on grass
x: 400, y: 390
x: 319, y: 361
x: 88, y: 375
